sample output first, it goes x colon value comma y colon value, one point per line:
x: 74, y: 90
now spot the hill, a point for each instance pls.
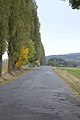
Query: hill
x: 67, y: 57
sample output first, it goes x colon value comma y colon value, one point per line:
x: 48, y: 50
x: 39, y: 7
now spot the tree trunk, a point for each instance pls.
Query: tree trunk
x: 14, y: 66
x: 9, y: 63
x: 0, y: 65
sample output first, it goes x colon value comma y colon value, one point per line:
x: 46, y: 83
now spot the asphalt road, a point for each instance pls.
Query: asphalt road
x: 38, y: 95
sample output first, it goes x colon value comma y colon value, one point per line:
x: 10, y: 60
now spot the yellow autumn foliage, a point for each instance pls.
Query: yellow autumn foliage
x: 37, y: 62
x: 23, y: 57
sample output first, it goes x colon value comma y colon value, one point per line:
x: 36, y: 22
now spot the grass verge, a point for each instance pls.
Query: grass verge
x: 7, y: 78
x: 73, y: 71
x: 70, y: 78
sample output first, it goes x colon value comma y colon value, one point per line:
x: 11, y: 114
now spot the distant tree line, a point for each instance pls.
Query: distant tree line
x: 59, y: 62
x: 20, y: 29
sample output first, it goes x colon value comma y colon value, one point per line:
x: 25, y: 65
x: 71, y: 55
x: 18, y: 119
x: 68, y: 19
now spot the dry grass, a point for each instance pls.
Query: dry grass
x: 6, y: 78
x: 70, y: 79
x: 73, y: 71
x: 1, y: 80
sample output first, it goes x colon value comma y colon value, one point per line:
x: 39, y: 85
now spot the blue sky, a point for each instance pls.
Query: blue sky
x: 60, y: 27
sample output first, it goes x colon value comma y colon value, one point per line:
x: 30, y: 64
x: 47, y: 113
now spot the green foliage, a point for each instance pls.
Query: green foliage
x: 75, y: 4
x: 42, y: 55
x: 36, y: 36
x: 32, y: 50
x: 3, y: 25
x: 20, y: 26
x: 61, y: 62
x: 71, y: 63
x: 4, y: 11
x: 19, y: 29
x: 56, y: 62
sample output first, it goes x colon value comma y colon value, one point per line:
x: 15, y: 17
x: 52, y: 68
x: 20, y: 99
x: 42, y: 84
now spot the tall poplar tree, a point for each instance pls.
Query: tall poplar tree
x: 19, y: 30
x: 4, y: 12
x: 19, y: 24
x: 36, y: 36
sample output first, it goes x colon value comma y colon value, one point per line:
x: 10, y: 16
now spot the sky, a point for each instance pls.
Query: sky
x: 60, y: 27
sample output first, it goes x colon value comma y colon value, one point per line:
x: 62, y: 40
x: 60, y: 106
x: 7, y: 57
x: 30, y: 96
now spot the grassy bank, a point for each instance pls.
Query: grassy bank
x: 6, y: 78
x: 74, y: 71
x: 71, y: 76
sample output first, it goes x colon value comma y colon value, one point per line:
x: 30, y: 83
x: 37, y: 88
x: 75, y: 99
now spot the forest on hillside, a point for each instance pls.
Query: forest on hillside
x: 68, y: 60
x: 20, y: 34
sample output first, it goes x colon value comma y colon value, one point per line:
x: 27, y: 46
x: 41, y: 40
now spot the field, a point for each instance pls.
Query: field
x: 73, y: 71
x: 71, y: 76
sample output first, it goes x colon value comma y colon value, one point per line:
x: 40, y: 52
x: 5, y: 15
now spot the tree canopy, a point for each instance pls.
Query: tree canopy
x: 20, y: 28
x: 75, y: 4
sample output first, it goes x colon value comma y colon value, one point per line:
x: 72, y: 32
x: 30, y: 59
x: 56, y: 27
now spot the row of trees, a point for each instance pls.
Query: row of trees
x: 59, y: 62
x: 20, y: 29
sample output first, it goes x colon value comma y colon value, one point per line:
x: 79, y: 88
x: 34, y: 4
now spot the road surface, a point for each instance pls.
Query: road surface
x: 38, y: 95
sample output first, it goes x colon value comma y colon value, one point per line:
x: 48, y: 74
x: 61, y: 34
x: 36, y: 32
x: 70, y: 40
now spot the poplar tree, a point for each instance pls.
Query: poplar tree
x: 14, y: 27
x: 19, y: 30
x: 36, y: 36
x: 4, y: 12
x: 19, y: 27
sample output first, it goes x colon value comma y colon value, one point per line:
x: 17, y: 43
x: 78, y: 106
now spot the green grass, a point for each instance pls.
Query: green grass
x: 73, y: 71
